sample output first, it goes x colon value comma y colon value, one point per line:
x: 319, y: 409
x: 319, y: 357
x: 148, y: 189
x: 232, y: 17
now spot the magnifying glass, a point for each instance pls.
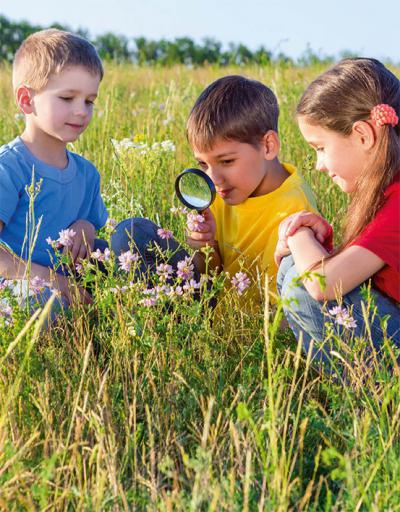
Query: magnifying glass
x: 195, y: 189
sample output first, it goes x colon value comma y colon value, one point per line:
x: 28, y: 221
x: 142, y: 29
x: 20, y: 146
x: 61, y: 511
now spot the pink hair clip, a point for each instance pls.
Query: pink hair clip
x: 384, y: 114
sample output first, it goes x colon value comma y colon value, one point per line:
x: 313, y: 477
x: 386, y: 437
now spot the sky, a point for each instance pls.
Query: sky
x: 328, y: 27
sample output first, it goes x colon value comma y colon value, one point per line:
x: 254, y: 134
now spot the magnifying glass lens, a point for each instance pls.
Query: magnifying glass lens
x: 195, y: 189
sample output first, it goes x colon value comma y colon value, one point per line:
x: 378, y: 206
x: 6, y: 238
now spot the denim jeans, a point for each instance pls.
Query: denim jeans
x: 310, y: 318
x: 141, y: 234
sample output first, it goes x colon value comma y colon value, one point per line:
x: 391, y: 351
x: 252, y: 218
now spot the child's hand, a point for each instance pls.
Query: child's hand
x: 281, y: 250
x: 83, y: 241
x: 201, y: 232
x: 321, y: 228
x: 66, y: 288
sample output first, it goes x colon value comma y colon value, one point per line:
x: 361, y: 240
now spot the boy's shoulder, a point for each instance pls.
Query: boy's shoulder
x: 13, y: 159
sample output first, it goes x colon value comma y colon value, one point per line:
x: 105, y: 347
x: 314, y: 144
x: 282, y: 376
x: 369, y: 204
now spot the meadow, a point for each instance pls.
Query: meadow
x: 135, y: 404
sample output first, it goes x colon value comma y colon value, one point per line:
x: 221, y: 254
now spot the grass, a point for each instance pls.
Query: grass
x: 128, y: 407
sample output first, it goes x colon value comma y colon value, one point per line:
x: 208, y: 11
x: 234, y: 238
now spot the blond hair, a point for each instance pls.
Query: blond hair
x: 49, y: 52
x: 338, y: 98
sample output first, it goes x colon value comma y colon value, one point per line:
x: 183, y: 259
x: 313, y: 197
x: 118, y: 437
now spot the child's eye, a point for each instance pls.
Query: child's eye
x: 318, y: 150
x: 227, y: 162
x: 89, y: 102
x: 203, y: 165
x: 65, y: 98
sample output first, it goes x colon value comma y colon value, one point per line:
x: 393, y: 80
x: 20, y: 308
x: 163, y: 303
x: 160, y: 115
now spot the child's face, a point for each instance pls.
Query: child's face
x: 64, y: 107
x: 237, y: 169
x: 342, y: 157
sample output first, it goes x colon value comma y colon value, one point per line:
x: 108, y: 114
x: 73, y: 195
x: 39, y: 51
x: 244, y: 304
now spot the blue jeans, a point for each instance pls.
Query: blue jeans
x: 141, y: 235
x: 311, y: 319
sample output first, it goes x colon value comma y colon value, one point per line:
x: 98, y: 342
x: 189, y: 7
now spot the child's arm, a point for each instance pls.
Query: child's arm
x: 12, y: 267
x: 342, y: 272
x: 321, y: 228
x: 201, y: 235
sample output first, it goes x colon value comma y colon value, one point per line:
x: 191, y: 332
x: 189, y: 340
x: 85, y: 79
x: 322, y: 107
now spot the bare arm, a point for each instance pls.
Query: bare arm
x: 342, y: 272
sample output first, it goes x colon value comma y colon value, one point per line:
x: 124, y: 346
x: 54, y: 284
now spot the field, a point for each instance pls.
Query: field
x: 128, y: 406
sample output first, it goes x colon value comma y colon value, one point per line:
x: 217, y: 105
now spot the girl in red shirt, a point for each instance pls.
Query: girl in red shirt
x: 350, y: 116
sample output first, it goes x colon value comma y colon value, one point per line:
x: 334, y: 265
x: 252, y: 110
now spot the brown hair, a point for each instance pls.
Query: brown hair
x: 232, y: 108
x: 338, y: 98
x: 50, y: 51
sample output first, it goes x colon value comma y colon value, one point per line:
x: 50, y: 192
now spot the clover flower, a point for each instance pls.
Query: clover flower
x: 111, y: 224
x: 194, y: 220
x: 121, y: 289
x: 343, y: 317
x: 191, y: 286
x: 6, y: 312
x: 185, y: 269
x: 37, y: 284
x: 148, y: 301
x: 101, y: 256
x: 165, y: 234
x: 241, y: 282
x: 172, y: 292
x: 66, y: 237
x: 51, y: 242
x: 164, y: 271
x: 126, y: 259
x: 178, y: 209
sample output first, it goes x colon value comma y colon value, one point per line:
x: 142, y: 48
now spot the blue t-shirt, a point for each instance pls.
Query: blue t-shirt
x: 64, y: 196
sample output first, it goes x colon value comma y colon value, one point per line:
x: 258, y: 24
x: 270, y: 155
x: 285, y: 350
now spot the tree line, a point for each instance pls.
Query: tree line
x: 142, y: 51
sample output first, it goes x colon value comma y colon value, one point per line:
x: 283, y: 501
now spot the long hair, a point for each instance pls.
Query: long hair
x: 338, y: 98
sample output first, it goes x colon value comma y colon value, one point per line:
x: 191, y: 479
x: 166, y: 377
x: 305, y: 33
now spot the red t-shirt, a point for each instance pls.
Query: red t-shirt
x: 382, y: 237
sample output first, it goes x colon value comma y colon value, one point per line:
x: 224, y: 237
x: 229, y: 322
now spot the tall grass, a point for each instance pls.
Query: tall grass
x: 127, y: 407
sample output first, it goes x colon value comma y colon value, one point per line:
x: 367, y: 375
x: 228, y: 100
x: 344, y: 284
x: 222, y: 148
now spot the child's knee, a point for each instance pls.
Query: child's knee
x: 286, y: 265
x: 136, y: 232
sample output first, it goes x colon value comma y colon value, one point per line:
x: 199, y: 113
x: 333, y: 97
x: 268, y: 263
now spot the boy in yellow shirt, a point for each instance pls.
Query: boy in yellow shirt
x: 232, y: 130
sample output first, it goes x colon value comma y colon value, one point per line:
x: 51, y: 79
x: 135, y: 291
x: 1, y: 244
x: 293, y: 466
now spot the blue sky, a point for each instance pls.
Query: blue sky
x: 328, y: 27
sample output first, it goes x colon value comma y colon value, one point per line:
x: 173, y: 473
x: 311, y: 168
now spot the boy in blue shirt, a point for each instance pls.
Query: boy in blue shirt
x: 56, y: 77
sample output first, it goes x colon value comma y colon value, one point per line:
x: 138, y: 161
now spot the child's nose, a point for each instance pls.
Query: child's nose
x: 320, y: 164
x: 81, y: 109
x: 215, y: 175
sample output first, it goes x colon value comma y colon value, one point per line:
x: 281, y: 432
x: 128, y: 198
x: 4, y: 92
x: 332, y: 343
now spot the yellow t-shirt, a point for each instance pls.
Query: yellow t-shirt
x: 247, y: 233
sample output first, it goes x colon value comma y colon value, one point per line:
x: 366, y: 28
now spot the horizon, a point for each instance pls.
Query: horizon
x: 300, y: 33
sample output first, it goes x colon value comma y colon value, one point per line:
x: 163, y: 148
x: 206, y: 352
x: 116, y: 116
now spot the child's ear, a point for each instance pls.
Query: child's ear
x: 271, y: 145
x: 364, y: 134
x: 24, y: 98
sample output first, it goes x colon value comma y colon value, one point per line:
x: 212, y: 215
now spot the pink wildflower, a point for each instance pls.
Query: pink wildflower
x: 194, y: 220
x: 126, y: 259
x: 66, y: 237
x: 97, y: 255
x: 148, y: 301
x: 343, y: 317
x: 185, y: 269
x: 101, y: 256
x: 165, y: 234
x: 178, y: 209
x: 164, y: 271
x: 111, y: 224
x: 241, y: 282
x: 51, y: 242
x: 121, y: 289
x: 37, y: 284
x: 191, y: 286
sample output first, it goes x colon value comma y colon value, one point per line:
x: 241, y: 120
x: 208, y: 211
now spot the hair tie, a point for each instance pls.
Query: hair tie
x: 384, y: 114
